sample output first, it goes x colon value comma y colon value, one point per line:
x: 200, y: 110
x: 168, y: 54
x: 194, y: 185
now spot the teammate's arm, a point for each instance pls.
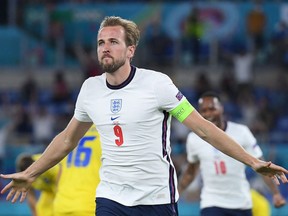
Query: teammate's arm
x: 60, y: 146
x: 32, y: 200
x: 278, y: 199
x: 188, y: 176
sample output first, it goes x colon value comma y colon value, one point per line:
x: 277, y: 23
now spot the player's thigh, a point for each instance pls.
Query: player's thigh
x: 216, y: 211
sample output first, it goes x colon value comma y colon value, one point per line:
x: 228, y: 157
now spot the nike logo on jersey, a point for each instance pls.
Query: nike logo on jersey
x: 112, y: 119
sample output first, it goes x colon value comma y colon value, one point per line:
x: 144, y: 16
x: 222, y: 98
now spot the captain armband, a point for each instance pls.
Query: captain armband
x: 182, y: 110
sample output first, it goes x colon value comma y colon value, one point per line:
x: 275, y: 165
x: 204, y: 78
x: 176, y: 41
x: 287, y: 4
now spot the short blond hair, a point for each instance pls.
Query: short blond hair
x: 132, y: 33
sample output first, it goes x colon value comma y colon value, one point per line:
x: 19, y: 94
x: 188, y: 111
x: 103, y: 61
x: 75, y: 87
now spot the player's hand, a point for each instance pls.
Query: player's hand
x: 278, y: 200
x: 18, y: 187
x: 271, y: 170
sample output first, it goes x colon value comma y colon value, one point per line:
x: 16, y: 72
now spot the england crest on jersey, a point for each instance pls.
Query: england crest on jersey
x: 116, y: 105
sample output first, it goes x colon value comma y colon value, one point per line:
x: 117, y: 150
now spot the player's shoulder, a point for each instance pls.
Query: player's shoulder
x: 239, y: 130
x: 153, y: 74
x: 92, y: 80
x: 236, y: 126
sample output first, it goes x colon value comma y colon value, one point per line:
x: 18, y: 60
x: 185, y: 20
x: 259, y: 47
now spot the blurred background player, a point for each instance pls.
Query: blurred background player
x: 77, y: 186
x: 67, y: 188
x: 40, y: 204
x: 261, y: 205
x: 225, y: 189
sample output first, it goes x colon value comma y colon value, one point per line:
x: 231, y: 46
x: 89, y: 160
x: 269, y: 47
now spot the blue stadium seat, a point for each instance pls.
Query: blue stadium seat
x: 45, y: 96
x: 232, y: 111
x: 282, y: 124
x: 190, y: 94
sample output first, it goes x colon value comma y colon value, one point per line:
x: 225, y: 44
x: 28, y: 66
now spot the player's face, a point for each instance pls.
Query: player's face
x: 211, y: 109
x: 112, y: 50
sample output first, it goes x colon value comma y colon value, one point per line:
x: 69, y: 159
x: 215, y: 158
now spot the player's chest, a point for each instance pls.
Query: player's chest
x: 209, y: 153
x: 125, y: 105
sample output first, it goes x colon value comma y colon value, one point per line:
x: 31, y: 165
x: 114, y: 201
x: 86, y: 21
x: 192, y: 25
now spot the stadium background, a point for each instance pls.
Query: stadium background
x: 44, y: 46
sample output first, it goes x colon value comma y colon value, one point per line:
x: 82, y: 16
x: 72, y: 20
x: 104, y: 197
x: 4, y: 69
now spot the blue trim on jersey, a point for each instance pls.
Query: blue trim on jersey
x: 164, y: 133
x: 171, y: 182
x: 125, y: 83
x: 164, y: 149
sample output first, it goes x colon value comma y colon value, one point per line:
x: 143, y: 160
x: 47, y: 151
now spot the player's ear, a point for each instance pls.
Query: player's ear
x: 131, y: 51
x: 222, y: 109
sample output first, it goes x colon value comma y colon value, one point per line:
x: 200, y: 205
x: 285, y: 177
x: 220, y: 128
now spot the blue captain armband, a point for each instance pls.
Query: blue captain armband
x: 182, y: 110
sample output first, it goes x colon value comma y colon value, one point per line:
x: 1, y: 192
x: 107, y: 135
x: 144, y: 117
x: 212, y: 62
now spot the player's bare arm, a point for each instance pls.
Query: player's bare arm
x: 188, y: 176
x: 60, y: 146
x: 216, y: 137
x: 32, y: 201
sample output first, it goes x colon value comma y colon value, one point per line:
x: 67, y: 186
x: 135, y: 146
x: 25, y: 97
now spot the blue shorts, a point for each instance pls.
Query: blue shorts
x: 216, y: 211
x: 106, y: 207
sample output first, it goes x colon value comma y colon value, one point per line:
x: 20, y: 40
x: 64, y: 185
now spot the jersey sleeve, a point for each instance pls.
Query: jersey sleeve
x: 79, y: 113
x: 168, y: 95
x: 251, y: 145
x: 190, y: 148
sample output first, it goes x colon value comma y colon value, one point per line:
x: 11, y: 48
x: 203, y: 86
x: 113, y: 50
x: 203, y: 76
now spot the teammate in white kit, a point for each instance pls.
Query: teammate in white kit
x: 132, y: 109
x: 225, y: 187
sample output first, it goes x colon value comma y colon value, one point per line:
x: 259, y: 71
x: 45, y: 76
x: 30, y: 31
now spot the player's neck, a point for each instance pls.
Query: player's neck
x: 223, y: 125
x: 119, y: 76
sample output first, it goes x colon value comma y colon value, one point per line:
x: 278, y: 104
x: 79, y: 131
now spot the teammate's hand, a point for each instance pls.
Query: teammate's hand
x: 278, y: 200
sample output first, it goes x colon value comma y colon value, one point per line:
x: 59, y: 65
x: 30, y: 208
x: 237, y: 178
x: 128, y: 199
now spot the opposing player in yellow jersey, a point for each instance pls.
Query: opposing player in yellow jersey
x: 261, y: 206
x: 45, y: 184
x: 77, y: 186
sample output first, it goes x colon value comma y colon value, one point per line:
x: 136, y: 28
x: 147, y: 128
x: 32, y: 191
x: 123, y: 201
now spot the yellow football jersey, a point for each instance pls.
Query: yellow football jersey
x: 79, y: 178
x: 261, y: 206
x: 46, y: 184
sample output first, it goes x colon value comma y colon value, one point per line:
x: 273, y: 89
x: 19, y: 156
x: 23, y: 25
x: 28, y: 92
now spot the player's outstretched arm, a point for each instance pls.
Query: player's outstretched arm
x: 60, y: 146
x: 220, y: 140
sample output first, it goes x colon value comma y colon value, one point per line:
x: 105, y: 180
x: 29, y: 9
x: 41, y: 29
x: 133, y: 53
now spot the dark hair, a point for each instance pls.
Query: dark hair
x: 132, y: 33
x: 23, y: 162
x: 211, y: 94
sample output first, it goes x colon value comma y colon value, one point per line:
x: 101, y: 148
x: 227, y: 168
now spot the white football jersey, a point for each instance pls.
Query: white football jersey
x: 224, y: 180
x: 133, y: 121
